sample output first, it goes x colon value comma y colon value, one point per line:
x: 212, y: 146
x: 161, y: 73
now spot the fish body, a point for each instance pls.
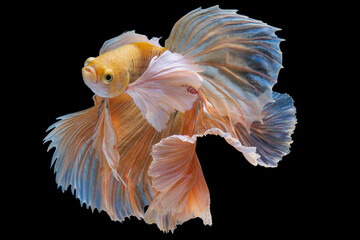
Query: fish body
x: 136, y: 146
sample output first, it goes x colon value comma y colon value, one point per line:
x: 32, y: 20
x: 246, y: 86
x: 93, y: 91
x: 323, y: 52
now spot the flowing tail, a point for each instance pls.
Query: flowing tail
x: 240, y: 57
x: 272, y: 137
x: 241, y: 60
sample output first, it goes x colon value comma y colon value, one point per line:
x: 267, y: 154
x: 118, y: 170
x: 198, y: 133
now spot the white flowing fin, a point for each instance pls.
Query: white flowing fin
x: 240, y: 56
x: 127, y: 38
x: 177, y: 177
x: 163, y: 88
x: 249, y: 152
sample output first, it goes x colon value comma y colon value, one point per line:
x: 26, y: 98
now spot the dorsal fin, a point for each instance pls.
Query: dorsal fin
x: 126, y: 38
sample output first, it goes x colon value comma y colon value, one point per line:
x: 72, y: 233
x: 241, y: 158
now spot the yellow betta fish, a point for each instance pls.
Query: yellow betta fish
x: 136, y: 146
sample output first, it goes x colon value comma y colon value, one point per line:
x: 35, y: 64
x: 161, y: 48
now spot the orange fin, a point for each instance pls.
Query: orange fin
x: 88, y: 145
x: 86, y: 154
x: 177, y: 177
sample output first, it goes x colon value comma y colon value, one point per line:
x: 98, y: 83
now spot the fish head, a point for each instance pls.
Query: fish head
x: 103, y: 78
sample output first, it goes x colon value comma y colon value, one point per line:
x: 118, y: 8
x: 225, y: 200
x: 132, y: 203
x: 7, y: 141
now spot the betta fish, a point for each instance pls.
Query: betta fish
x: 136, y: 146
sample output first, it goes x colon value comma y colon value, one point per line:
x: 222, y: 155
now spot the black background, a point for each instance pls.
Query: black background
x: 287, y: 200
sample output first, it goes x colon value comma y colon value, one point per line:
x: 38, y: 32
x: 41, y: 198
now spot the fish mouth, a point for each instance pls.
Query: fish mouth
x: 91, y: 80
x: 89, y: 74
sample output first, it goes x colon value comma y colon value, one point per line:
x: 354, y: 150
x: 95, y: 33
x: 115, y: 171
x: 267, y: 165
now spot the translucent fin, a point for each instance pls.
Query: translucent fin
x: 162, y: 88
x: 76, y: 161
x: 240, y: 57
x: 272, y: 137
x: 126, y: 38
x: 86, y: 158
x: 248, y: 152
x: 135, y: 138
x: 177, y: 177
x: 105, y: 139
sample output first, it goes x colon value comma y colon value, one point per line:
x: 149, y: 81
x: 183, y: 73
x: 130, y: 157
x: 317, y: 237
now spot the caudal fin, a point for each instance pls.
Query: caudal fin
x: 272, y: 137
x: 240, y: 58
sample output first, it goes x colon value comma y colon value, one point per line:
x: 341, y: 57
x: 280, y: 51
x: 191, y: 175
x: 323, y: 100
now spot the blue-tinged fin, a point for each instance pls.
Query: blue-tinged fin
x: 272, y: 137
x: 240, y: 56
x: 75, y: 160
x: 121, y: 188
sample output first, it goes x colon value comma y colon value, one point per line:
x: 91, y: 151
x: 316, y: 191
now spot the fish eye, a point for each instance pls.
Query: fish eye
x: 108, y: 77
x: 87, y: 61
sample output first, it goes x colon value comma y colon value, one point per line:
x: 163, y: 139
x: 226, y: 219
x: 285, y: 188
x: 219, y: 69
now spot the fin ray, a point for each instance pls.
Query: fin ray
x: 182, y: 191
x: 82, y: 163
x: 68, y: 157
x: 161, y: 89
x: 177, y: 177
x: 272, y: 137
x: 218, y: 40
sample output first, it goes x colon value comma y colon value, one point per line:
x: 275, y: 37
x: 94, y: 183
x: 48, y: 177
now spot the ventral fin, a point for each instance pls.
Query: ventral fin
x: 105, y: 139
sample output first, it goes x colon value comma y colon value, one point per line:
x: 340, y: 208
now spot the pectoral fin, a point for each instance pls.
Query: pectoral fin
x: 163, y: 88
